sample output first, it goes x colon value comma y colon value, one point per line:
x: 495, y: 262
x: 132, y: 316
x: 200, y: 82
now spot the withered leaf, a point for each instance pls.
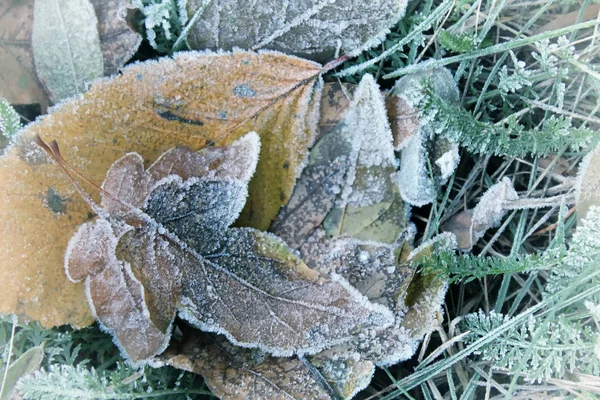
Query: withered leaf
x: 176, y: 254
x: 416, y: 139
x: 347, y: 375
x: 192, y: 100
x: 470, y: 225
x: 257, y: 293
x: 314, y: 29
x: 117, y: 40
x: 348, y: 186
x: 233, y: 373
x: 66, y: 46
x: 588, y: 183
x: 19, y: 83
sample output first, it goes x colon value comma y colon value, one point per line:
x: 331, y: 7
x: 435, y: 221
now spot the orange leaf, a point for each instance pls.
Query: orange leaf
x: 194, y: 100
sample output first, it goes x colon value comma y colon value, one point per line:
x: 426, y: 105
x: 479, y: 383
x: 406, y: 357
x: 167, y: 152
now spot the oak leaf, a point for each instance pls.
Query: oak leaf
x: 195, y: 99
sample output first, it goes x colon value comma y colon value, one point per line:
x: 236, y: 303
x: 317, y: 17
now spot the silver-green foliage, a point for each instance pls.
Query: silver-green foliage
x: 10, y: 122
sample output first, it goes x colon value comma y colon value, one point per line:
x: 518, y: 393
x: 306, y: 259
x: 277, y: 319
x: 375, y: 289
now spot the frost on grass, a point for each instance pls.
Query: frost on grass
x: 163, y: 245
x: 313, y: 29
x: 355, y: 164
x: 67, y: 55
x: 426, y: 161
x: 470, y: 225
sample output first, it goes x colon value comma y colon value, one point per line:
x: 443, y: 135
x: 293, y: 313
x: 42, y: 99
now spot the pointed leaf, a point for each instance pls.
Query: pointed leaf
x: 315, y: 29
x: 186, y: 101
x: 66, y: 46
x: 27, y: 363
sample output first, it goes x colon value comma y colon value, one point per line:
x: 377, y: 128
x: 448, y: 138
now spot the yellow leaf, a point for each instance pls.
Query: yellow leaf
x: 195, y: 99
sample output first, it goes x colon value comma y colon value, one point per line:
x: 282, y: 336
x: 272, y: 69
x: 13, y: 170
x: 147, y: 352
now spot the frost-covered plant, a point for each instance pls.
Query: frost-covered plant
x: 10, y: 122
x: 163, y: 21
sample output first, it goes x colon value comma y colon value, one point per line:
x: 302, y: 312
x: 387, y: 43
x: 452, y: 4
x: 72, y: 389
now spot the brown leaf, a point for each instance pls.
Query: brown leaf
x: 335, y: 101
x: 470, y: 225
x: 404, y: 120
x: 232, y: 372
x: 194, y: 100
x: 18, y: 80
x: 117, y: 40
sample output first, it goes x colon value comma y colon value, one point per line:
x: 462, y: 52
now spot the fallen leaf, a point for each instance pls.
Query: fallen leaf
x: 346, y: 375
x: 470, y: 225
x: 18, y: 80
x: 194, y: 99
x: 314, y: 29
x: 117, y: 40
x: 587, y: 184
x: 66, y: 46
x: 335, y: 101
x: 563, y: 20
x: 163, y: 245
x: 420, y: 146
x: 232, y: 372
x: 348, y: 186
x: 27, y: 363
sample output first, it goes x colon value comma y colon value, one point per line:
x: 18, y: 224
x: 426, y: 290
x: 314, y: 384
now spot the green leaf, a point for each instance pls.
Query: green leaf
x: 28, y: 362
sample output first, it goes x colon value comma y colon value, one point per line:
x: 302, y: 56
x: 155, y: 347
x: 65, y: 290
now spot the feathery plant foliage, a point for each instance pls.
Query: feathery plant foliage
x: 10, y: 121
x: 523, y: 311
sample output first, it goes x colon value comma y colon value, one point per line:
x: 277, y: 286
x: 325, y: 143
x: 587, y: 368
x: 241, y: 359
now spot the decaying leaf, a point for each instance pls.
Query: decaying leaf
x: 314, y: 29
x: 27, y: 363
x: 335, y: 101
x: 346, y: 375
x: 194, y: 99
x: 66, y: 46
x: 163, y: 245
x: 233, y: 373
x: 588, y: 183
x: 348, y: 185
x: 470, y: 225
x: 19, y: 83
x: 117, y: 40
x: 426, y: 161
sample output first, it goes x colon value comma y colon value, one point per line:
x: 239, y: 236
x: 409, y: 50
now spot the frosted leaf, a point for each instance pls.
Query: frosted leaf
x: 369, y: 206
x: 90, y: 250
x: 313, y: 29
x: 128, y: 184
x: 425, y: 294
x: 470, y: 225
x: 234, y: 162
x: 588, y: 183
x: 317, y: 188
x: 371, y: 267
x: 347, y: 186
x: 257, y: 293
x: 156, y: 264
x: 232, y: 372
x: 197, y: 210
x: 117, y: 40
x: 116, y: 299
x: 66, y: 46
x: 346, y: 375
x: 419, y: 143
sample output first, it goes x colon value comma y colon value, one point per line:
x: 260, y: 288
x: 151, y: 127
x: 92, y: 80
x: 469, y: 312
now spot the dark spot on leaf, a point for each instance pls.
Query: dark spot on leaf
x: 90, y: 216
x: 244, y: 90
x: 223, y: 114
x: 139, y: 77
x: 286, y: 165
x: 169, y: 116
x: 210, y: 143
x: 55, y: 202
